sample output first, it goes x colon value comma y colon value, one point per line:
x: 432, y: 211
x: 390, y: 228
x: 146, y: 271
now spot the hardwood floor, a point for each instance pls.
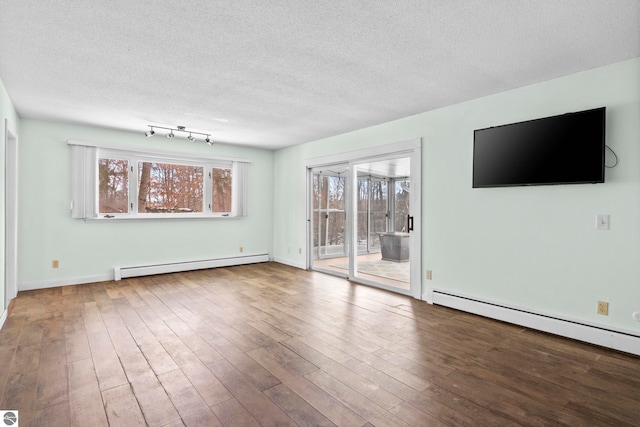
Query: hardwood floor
x: 271, y: 345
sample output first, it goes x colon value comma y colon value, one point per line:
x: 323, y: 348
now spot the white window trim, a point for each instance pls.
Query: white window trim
x: 84, y: 182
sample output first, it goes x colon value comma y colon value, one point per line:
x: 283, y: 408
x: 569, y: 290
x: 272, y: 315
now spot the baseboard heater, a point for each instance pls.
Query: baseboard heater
x: 617, y: 340
x: 147, y: 270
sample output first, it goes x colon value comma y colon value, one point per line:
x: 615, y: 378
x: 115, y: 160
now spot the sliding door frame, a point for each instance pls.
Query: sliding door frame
x: 410, y: 148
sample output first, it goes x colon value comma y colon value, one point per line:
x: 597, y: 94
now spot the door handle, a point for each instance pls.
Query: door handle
x: 410, y: 222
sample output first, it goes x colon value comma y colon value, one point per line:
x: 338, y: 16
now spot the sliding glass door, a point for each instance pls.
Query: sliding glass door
x: 382, y: 257
x: 361, y: 221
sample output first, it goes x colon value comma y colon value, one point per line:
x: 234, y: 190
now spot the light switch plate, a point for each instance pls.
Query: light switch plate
x: 602, y: 222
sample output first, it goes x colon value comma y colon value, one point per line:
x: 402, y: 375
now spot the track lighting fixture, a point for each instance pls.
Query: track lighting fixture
x: 170, y: 135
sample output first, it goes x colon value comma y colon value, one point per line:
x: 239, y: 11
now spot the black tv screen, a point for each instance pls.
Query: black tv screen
x: 564, y: 149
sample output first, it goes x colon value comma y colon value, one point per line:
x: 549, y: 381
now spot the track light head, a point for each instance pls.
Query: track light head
x: 208, y: 140
x: 191, y: 138
x: 149, y: 133
x: 170, y: 135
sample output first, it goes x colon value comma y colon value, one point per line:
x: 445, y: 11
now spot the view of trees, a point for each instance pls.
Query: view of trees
x: 373, y: 194
x: 162, y: 187
x: 329, y: 202
x: 221, y: 186
x: 402, y: 193
x: 113, y: 185
x: 169, y: 188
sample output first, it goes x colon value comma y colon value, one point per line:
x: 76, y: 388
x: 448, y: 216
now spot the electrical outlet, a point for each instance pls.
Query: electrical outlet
x: 55, y: 263
x: 241, y: 249
x: 429, y: 274
x: 300, y: 251
x: 603, y: 308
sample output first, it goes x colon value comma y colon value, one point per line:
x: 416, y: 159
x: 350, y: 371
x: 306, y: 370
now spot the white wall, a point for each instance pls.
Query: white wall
x: 530, y: 247
x: 89, y: 250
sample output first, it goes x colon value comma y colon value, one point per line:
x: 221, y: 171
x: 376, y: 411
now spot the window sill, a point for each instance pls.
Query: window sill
x: 156, y: 217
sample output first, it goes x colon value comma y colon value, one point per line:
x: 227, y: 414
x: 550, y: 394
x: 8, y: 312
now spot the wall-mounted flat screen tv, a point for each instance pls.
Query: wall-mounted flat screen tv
x: 564, y: 149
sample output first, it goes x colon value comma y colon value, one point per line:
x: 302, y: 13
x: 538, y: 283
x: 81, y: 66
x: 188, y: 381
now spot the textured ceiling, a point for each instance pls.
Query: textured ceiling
x: 277, y: 73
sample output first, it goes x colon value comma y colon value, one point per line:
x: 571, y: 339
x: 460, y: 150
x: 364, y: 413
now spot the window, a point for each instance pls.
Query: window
x: 221, y: 187
x: 113, y: 185
x: 120, y: 184
x: 170, y: 188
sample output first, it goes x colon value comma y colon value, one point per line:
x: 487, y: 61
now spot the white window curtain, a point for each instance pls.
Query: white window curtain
x: 240, y: 172
x: 84, y: 178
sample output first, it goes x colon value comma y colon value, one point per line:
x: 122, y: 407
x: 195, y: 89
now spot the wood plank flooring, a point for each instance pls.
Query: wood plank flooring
x: 271, y: 345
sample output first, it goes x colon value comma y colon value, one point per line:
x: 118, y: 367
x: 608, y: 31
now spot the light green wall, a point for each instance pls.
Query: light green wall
x: 530, y: 247
x: 7, y: 111
x: 89, y: 249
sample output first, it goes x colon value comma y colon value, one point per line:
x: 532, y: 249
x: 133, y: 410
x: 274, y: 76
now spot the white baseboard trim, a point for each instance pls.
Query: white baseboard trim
x: 147, y: 270
x: 615, y: 339
x: 30, y: 286
x: 177, y: 267
x: 290, y: 263
x: 428, y: 297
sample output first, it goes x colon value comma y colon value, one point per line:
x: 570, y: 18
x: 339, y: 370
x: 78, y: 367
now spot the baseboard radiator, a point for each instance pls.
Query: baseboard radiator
x: 147, y: 270
x: 617, y: 340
